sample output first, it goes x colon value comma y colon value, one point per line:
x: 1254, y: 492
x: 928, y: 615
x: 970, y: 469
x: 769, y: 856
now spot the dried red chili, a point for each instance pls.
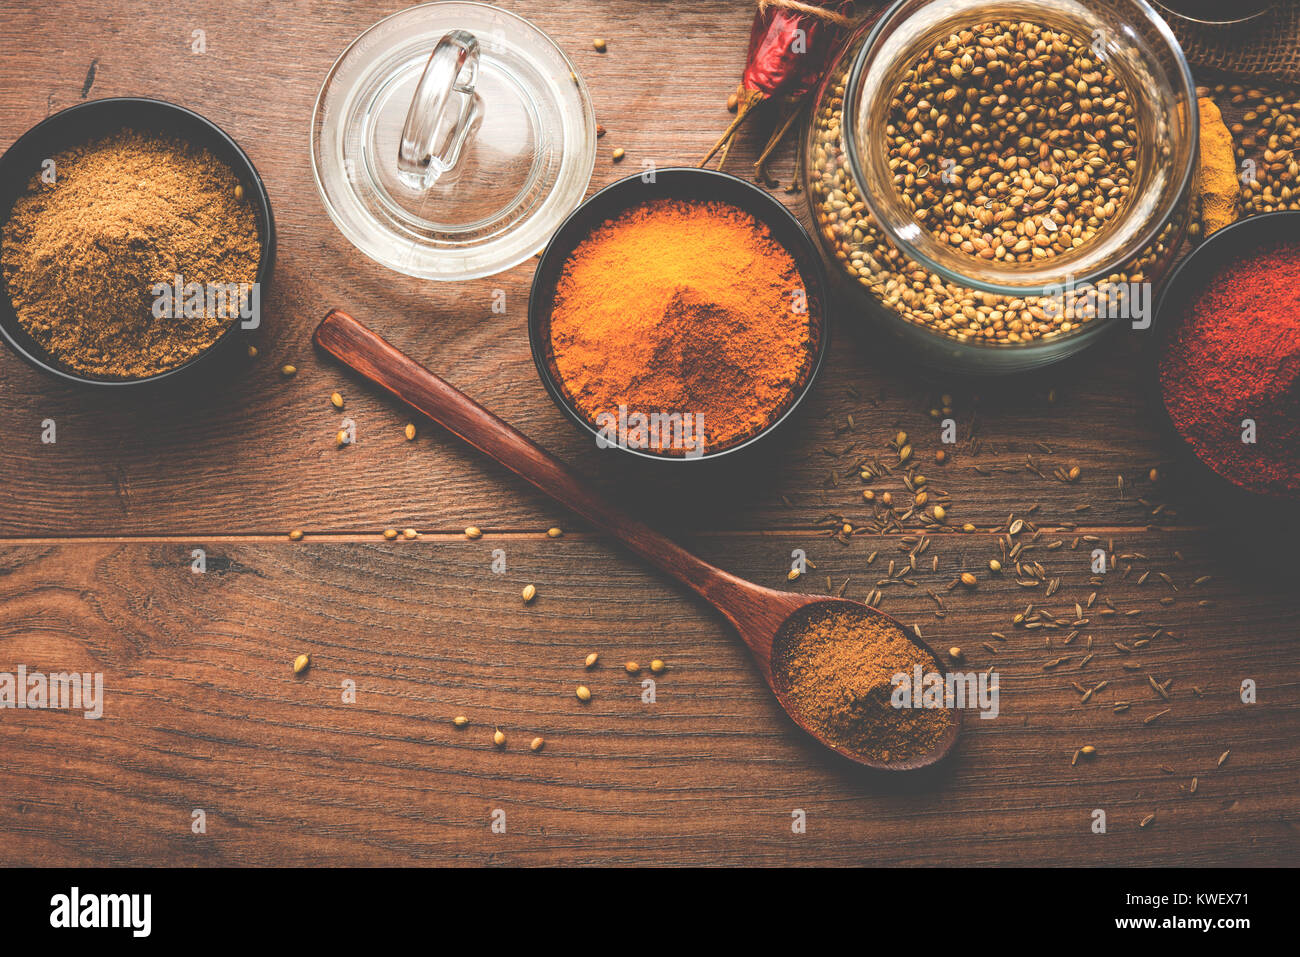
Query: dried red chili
x: 789, y: 49
x: 1236, y: 357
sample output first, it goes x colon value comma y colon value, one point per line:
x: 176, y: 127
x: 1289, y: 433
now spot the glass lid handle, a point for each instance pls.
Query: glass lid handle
x: 443, y: 113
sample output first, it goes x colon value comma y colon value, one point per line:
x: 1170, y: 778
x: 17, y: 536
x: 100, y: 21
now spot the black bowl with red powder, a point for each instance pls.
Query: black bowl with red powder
x: 1227, y: 356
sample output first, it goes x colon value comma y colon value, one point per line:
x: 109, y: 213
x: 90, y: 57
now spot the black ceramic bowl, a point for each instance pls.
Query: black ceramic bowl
x: 1185, y: 283
x: 683, y: 183
x: 87, y: 121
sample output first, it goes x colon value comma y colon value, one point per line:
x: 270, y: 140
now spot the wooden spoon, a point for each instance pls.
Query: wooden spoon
x: 759, y: 614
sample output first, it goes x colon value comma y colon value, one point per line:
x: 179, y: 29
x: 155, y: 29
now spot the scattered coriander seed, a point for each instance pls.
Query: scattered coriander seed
x: 968, y: 579
x: 955, y: 653
x: 252, y: 352
x: 409, y: 431
x: 900, y: 439
x: 499, y: 738
x: 554, y: 532
x: 288, y: 371
x: 968, y: 527
x: 1087, y: 750
x: 239, y: 191
x: 904, y: 453
x: 583, y: 693
x: 336, y: 400
x: 295, y: 535
x: 846, y: 529
x: 1154, y: 475
x: 301, y: 664
x: 600, y: 131
x: 529, y: 593
x: 940, y: 513
x: 472, y: 532
x: 619, y: 153
x: 940, y: 456
x: 409, y: 533
x: 869, y: 494
x: 599, y: 44
x: 460, y: 721
x: 793, y: 574
x: 1074, y: 473
x: 537, y: 744
x: 657, y: 665
x: 631, y: 667
x: 390, y: 533
x: 341, y: 438
x: 995, y: 565
x: 921, y: 499
x: 591, y: 660
x: 887, y: 499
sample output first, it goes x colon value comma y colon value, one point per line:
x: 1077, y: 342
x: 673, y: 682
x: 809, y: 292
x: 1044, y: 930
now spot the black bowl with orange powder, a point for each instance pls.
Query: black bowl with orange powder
x: 679, y: 316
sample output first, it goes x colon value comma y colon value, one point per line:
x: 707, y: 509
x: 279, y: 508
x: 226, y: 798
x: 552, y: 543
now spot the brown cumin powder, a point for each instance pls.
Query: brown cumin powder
x: 837, y: 668
x: 81, y: 255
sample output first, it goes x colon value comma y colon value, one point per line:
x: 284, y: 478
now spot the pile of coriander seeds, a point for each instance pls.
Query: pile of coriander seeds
x: 1012, y: 142
x: 852, y: 237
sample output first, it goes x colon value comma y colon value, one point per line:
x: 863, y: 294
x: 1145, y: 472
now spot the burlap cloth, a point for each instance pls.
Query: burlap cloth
x: 1265, y: 48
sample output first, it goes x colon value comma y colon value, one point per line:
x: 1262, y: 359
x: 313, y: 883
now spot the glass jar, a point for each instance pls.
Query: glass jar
x: 971, y: 307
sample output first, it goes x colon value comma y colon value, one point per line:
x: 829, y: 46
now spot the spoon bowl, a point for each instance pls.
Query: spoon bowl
x: 763, y: 617
x: 808, y: 607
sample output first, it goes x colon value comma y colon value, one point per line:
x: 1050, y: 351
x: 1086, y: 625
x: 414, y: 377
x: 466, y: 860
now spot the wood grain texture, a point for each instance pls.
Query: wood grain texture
x: 202, y: 710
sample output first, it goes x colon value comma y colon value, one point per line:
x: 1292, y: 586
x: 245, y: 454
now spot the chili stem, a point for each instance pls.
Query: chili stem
x: 748, y: 101
x: 777, y: 137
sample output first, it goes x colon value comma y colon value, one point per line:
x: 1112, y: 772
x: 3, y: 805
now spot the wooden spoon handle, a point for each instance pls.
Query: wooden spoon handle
x: 368, y: 354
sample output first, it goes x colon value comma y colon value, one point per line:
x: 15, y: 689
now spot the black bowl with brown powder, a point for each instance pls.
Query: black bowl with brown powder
x: 102, y: 207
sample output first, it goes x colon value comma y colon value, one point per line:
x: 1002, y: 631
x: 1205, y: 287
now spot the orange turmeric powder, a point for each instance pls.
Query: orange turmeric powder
x: 683, y: 308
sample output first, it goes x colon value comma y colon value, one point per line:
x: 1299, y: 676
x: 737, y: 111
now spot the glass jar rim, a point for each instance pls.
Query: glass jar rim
x: 1048, y: 283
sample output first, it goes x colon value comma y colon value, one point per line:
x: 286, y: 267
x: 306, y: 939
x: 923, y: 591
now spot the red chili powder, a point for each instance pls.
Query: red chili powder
x: 1236, y: 356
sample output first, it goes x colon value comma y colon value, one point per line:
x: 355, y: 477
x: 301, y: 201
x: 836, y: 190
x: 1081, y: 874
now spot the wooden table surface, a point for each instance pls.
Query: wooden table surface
x: 201, y: 709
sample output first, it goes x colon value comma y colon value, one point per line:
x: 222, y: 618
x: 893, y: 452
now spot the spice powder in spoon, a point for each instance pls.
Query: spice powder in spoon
x: 683, y: 307
x: 837, y: 668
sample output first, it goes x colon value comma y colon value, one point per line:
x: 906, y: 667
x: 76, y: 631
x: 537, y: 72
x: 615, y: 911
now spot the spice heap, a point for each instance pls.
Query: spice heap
x: 683, y: 308
x: 81, y: 256
x: 837, y: 668
x: 1236, y: 356
x: 1012, y: 142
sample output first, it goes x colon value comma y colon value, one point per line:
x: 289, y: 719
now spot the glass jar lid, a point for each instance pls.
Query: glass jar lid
x: 450, y: 140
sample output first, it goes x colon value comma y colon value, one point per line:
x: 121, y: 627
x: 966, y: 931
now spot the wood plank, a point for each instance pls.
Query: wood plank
x: 248, y: 452
x: 201, y: 711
